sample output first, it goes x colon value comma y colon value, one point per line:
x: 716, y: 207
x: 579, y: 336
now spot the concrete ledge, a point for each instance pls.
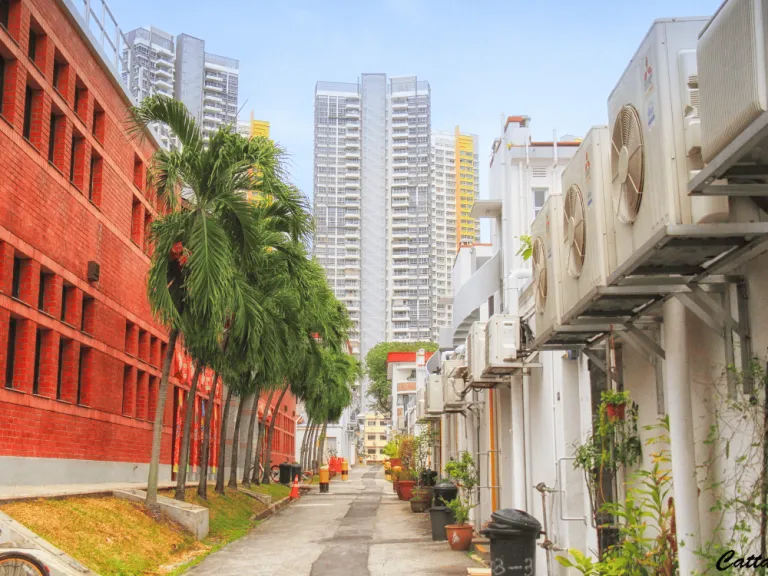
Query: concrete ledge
x: 15, y: 536
x: 192, y: 517
x: 263, y: 498
x: 272, y: 510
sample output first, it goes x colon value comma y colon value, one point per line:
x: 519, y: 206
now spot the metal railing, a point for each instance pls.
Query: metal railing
x: 102, y: 24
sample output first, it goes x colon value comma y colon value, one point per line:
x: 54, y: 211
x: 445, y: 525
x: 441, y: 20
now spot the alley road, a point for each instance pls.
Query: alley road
x: 359, y: 529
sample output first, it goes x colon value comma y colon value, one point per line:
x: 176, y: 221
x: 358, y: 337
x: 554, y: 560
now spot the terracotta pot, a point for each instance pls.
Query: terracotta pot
x: 459, y: 537
x: 615, y: 411
x: 419, y: 506
x: 406, y: 489
x: 395, y: 462
x: 394, y: 484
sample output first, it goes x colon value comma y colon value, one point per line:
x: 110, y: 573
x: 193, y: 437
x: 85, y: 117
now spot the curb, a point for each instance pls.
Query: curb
x: 273, y: 509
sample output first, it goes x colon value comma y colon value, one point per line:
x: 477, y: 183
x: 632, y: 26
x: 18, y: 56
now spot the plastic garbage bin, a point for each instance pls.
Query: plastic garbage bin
x: 444, y: 492
x: 428, y: 478
x: 285, y: 473
x: 513, y: 534
x: 295, y: 471
x: 439, y: 518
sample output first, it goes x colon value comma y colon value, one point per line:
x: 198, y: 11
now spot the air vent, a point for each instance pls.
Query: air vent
x: 540, y: 274
x: 539, y: 171
x: 627, y: 164
x: 574, y: 230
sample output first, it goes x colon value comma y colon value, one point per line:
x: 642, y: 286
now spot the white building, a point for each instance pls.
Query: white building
x: 408, y: 211
x: 179, y: 67
x: 450, y: 181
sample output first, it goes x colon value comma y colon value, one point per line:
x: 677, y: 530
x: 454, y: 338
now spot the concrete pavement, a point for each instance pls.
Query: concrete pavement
x: 359, y: 529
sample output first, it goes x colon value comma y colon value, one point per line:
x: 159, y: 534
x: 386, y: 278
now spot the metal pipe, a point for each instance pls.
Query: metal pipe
x: 678, y: 394
x: 527, y: 436
x: 518, y: 445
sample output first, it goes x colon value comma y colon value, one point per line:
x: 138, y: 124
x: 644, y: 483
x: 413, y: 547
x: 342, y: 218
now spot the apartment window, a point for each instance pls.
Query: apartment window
x: 98, y: 123
x: 10, y: 357
x: 67, y: 293
x: 38, y: 346
x: 76, y: 159
x: 138, y: 172
x: 87, y: 314
x: 60, y: 369
x: 371, y: 436
x: 45, y: 278
x: 27, y: 128
x: 32, y: 49
x: 95, y: 179
x: 82, y: 375
x: 382, y: 423
x: 55, y: 137
x: 5, y: 9
x: 16, y: 278
x: 539, y: 197
x: 372, y: 451
x: 382, y: 436
x: 81, y: 99
x: 2, y: 77
x: 137, y: 221
x: 59, y: 75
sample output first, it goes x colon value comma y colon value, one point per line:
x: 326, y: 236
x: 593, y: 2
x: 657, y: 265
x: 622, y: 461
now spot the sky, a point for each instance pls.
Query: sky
x: 555, y: 61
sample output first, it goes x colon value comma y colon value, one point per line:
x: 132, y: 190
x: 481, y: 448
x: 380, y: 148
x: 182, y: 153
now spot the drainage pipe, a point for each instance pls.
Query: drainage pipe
x: 518, y: 445
x: 678, y: 394
x: 527, y: 436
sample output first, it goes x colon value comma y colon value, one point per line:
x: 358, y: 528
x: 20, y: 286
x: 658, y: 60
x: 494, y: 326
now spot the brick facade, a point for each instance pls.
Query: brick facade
x: 80, y: 360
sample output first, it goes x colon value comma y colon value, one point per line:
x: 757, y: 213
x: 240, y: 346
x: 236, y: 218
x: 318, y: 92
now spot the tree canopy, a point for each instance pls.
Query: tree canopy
x: 380, y: 389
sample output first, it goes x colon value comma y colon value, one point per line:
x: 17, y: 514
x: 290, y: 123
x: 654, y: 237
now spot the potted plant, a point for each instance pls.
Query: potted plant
x: 396, y: 478
x: 464, y: 473
x: 615, y: 404
x: 405, y: 483
x: 421, y: 500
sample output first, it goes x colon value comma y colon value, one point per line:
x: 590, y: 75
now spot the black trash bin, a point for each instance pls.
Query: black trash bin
x: 444, y: 492
x: 295, y: 471
x: 428, y: 478
x: 285, y: 473
x: 439, y: 518
x: 513, y: 534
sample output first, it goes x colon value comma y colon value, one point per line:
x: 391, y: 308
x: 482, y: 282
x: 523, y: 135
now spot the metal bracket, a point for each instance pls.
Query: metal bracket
x: 717, y: 314
x: 600, y: 364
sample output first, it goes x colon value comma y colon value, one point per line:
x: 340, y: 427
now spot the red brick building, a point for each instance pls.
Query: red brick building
x: 80, y: 353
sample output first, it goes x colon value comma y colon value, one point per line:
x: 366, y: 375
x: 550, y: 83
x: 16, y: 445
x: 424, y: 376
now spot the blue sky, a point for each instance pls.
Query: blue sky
x: 555, y: 61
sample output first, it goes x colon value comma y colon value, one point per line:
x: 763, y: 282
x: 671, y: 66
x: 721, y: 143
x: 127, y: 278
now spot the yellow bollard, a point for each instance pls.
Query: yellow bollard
x: 344, y: 471
x: 325, y: 478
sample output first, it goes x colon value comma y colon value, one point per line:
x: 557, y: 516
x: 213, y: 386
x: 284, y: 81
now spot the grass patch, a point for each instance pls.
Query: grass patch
x: 110, y: 536
x: 119, y: 538
x: 277, y: 491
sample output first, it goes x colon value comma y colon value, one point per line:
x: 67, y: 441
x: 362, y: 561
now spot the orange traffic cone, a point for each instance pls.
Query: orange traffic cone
x: 295, y: 490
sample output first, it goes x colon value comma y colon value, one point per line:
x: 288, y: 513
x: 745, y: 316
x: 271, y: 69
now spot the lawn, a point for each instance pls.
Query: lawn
x: 119, y: 538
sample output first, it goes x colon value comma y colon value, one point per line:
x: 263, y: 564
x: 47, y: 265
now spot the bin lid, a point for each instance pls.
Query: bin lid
x: 285, y: 465
x: 512, y: 518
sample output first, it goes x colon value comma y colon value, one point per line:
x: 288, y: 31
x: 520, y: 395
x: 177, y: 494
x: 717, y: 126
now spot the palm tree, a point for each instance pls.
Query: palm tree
x: 199, y: 244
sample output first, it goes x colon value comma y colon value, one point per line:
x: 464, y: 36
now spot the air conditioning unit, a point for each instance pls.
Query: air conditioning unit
x: 434, y: 394
x: 588, y: 250
x: 733, y: 72
x: 648, y: 113
x: 502, y: 341
x: 476, y: 351
x: 421, y: 401
x: 452, y: 385
x: 546, y: 247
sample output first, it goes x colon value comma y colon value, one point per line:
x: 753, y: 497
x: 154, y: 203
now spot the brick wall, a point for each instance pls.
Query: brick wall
x: 79, y: 378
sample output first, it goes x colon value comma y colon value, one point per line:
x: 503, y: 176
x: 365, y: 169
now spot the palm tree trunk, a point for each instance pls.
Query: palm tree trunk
x: 223, y: 443
x: 321, y: 455
x: 249, y: 444
x: 267, y: 470
x: 181, y: 477
x: 256, y: 479
x: 236, y: 443
x: 157, y: 428
x: 303, y: 451
x: 202, y: 487
x: 315, y: 444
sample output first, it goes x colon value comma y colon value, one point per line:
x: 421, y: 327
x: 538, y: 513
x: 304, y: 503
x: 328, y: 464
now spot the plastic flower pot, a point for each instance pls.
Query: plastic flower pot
x: 459, y: 536
x: 405, y: 488
x: 419, y: 506
x: 615, y: 411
